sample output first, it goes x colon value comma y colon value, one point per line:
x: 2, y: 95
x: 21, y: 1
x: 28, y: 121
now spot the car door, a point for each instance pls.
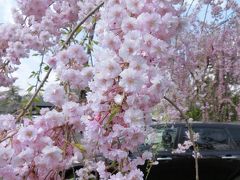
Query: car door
x: 184, y: 164
x: 218, y: 152
x: 163, y: 140
x: 234, y: 131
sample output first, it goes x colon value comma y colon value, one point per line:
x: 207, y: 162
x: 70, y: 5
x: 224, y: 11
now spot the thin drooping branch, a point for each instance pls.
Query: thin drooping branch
x: 39, y: 72
x: 67, y: 42
x: 190, y: 7
x: 190, y: 134
x: 28, y: 105
x: 81, y: 23
x: 177, y: 108
x: 91, y: 36
x: 205, y: 17
x: 7, y: 137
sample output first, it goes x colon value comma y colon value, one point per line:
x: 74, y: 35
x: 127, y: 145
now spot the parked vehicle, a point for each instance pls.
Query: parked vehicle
x: 218, y: 144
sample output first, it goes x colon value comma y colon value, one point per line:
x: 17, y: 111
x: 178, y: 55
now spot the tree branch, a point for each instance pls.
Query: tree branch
x: 190, y: 134
x: 177, y: 108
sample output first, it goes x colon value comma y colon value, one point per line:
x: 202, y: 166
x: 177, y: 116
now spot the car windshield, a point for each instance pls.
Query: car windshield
x: 212, y: 139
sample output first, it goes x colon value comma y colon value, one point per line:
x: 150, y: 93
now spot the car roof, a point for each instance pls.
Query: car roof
x: 199, y: 124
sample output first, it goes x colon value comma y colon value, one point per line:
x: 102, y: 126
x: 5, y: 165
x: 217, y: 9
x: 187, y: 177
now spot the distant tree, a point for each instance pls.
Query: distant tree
x: 10, y: 100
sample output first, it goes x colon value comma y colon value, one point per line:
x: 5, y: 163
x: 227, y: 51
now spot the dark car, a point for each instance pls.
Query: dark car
x: 218, y: 144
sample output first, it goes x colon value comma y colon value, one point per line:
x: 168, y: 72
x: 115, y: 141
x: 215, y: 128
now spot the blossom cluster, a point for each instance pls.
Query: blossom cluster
x: 182, y: 148
x: 204, y: 66
x: 128, y: 78
x: 38, y: 27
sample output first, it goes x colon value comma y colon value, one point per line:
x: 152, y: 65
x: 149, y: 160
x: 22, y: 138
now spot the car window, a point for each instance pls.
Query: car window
x: 215, y: 139
x: 235, y: 133
x: 161, y: 139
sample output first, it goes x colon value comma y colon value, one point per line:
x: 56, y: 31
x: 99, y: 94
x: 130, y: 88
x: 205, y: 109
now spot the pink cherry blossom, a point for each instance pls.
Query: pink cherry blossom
x: 50, y: 157
x: 134, y: 116
x: 7, y: 122
x: 27, y: 134
x: 54, y: 94
x: 131, y: 80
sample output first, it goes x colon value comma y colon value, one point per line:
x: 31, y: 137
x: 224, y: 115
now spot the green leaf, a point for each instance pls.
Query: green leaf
x: 30, y: 88
x: 33, y: 74
x: 62, y: 42
x: 95, y: 42
x: 64, y: 32
x: 46, y: 68
x: 79, y: 29
x: 80, y: 147
x: 37, y: 100
x: 114, y: 111
x: 89, y: 47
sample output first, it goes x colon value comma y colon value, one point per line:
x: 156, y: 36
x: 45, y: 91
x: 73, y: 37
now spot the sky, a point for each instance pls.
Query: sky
x: 5, y: 13
x: 27, y: 65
